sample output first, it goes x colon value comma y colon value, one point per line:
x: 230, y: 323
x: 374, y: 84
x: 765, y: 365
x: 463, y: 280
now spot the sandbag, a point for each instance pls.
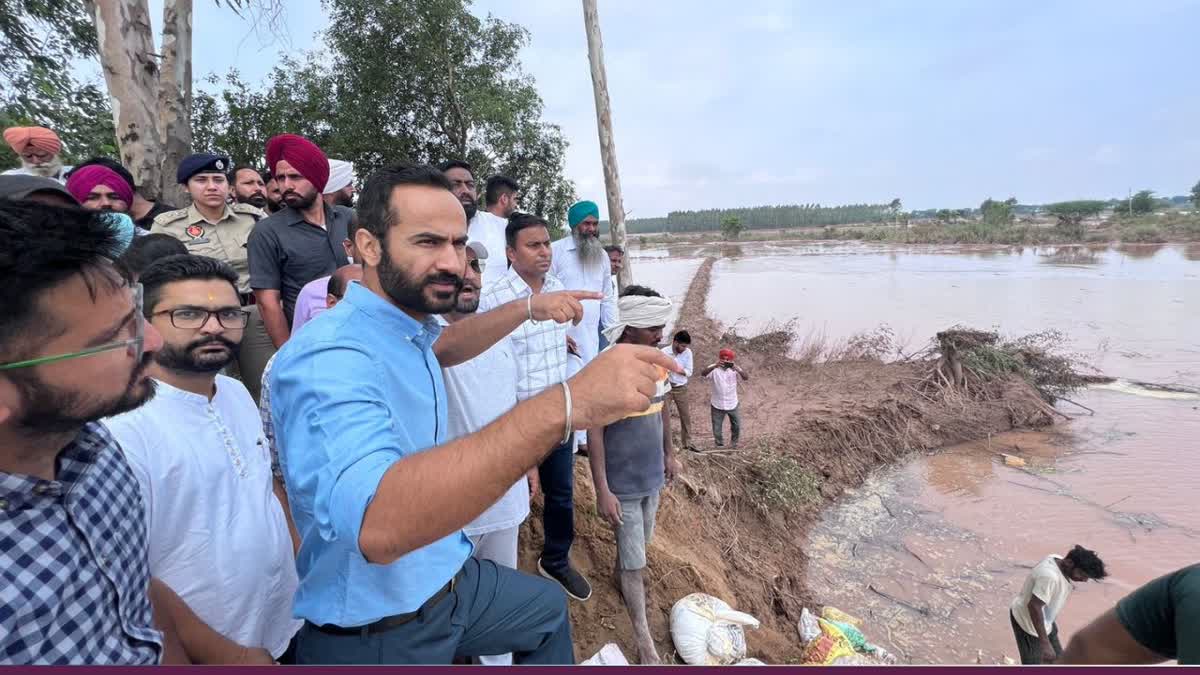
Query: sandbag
x: 609, y: 655
x: 708, y: 632
x: 808, y: 627
x: 830, y: 646
x: 854, y: 636
x: 749, y: 662
x: 830, y: 613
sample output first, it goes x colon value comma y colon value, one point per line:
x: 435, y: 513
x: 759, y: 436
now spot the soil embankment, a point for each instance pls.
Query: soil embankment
x: 735, y: 526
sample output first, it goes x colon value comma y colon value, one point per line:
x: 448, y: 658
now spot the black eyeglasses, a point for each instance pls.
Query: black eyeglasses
x: 191, y: 318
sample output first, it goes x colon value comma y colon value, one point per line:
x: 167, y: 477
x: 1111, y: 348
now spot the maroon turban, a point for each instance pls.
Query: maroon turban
x: 84, y: 179
x: 304, y: 156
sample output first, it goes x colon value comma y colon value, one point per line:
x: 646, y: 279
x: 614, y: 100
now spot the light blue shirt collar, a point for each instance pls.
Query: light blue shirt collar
x: 420, y: 333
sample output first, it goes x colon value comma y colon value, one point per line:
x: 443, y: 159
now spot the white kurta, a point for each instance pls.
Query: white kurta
x: 489, y: 230
x: 594, y: 276
x: 477, y: 393
x: 217, y: 533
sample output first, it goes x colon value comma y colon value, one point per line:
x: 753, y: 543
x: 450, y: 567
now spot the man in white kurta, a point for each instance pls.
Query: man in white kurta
x: 580, y: 262
x: 217, y: 532
x: 487, y: 225
x: 477, y: 393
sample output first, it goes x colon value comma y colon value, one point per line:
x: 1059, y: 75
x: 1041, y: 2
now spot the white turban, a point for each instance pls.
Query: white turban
x: 341, y: 174
x: 638, y: 311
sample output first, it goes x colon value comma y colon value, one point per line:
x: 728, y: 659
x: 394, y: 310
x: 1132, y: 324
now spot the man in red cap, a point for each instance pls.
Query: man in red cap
x: 39, y: 149
x: 301, y: 242
x: 724, y: 378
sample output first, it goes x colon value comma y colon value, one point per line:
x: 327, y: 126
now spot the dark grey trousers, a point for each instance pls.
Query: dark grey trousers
x: 1027, y: 645
x: 492, y: 610
x: 735, y: 425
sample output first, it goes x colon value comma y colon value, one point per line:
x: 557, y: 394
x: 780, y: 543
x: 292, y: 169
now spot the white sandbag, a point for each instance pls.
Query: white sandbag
x: 808, y: 627
x: 708, y: 632
x: 609, y: 655
x: 749, y: 662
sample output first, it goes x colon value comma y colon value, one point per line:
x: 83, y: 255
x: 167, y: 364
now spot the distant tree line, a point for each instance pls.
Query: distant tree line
x: 765, y: 218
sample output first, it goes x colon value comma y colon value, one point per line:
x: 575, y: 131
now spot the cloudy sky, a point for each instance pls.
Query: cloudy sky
x: 939, y: 102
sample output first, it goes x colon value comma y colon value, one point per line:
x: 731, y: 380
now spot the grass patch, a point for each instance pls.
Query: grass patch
x: 779, y: 482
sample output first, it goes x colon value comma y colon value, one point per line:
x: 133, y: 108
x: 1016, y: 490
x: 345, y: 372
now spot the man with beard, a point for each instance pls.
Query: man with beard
x: 301, y: 242
x: 579, y: 261
x: 99, y: 188
x: 616, y: 260
x: 378, y: 495
x: 248, y: 187
x: 217, y: 533
x: 477, y: 393
x: 274, y: 195
x: 74, y: 348
x: 339, y: 191
x: 462, y: 184
x: 541, y: 352
x: 141, y: 210
x: 213, y: 227
x: 39, y: 149
x: 487, y: 227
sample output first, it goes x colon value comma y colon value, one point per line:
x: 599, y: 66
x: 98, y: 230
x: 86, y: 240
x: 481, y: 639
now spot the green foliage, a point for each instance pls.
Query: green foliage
x: 762, y: 218
x: 1196, y: 195
x: 731, y: 227
x: 1143, y: 202
x: 951, y: 215
x: 1084, y: 208
x: 43, y: 34
x: 38, y: 41
x: 1040, y: 358
x: 1143, y: 234
x: 79, y: 114
x: 997, y: 214
x: 779, y: 481
x: 407, y: 80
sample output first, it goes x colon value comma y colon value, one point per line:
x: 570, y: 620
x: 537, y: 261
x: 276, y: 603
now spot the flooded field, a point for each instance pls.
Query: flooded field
x: 930, y: 553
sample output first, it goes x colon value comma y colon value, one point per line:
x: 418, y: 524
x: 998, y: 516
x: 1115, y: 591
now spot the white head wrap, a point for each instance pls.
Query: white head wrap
x: 638, y: 311
x: 341, y: 174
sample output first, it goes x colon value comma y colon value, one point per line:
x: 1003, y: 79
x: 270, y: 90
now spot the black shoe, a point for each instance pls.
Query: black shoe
x: 719, y: 444
x: 572, y: 582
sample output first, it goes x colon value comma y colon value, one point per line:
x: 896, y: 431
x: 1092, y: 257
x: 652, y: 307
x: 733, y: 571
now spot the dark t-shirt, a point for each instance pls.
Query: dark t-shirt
x: 1164, y: 615
x: 286, y: 252
x: 633, y: 450
x: 147, y: 221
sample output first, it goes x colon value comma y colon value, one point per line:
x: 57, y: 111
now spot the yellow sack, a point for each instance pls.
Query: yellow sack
x: 830, y: 646
x: 834, y: 614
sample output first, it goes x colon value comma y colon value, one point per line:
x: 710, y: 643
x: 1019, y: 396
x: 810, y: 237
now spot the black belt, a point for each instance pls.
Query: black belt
x: 389, y: 622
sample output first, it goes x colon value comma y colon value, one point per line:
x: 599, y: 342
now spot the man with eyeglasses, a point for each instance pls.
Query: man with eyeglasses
x: 218, y: 534
x: 75, y: 587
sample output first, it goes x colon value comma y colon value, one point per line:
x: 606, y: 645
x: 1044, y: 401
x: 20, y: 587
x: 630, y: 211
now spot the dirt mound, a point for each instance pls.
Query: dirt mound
x: 735, y: 526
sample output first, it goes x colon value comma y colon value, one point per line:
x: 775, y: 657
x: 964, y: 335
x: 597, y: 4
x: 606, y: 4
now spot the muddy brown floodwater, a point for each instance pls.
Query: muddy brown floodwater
x: 931, y: 552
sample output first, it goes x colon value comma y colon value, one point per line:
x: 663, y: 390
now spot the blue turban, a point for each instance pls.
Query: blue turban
x: 581, y: 210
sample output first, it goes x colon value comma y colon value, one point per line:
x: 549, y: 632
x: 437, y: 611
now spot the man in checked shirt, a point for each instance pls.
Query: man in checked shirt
x: 75, y: 587
x: 540, y: 348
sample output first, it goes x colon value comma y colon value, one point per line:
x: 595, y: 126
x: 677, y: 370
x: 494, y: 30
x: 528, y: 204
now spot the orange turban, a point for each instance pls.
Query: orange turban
x: 41, y: 138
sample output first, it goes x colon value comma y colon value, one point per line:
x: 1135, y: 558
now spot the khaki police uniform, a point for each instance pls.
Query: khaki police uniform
x: 224, y: 240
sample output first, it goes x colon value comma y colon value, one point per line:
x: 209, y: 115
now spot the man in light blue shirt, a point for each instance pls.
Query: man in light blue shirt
x: 378, y: 497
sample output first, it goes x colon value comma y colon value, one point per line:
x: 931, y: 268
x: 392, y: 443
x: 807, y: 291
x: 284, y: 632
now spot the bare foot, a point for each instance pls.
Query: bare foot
x: 647, y: 654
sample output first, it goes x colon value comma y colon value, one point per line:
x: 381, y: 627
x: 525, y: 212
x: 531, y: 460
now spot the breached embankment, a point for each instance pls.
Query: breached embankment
x: 735, y: 526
